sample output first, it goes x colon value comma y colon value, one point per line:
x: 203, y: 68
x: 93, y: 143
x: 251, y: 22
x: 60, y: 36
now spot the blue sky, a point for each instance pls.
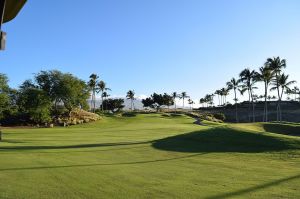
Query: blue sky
x: 152, y: 45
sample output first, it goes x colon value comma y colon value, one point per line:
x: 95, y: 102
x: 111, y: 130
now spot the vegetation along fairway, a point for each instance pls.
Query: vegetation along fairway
x: 151, y: 156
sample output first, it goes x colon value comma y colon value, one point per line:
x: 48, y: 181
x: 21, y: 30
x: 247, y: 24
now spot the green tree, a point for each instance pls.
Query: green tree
x: 265, y: 75
x: 4, y: 95
x: 175, y: 95
x: 113, y: 105
x: 234, y: 84
x: 101, y: 87
x: 284, y: 84
x: 92, y: 85
x: 63, y: 88
x: 168, y: 100
x: 35, y: 103
x: 248, y: 78
x: 276, y: 64
x: 130, y: 95
x: 183, y: 96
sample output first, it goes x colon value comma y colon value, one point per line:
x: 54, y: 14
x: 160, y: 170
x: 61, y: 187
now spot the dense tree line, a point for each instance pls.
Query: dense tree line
x: 48, y: 95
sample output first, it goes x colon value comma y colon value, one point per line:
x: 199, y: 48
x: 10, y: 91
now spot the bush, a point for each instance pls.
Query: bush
x: 219, y: 116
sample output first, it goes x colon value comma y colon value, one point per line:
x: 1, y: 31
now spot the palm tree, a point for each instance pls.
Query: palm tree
x: 130, y: 95
x: 218, y: 93
x: 224, y: 93
x: 295, y: 91
x: 265, y: 75
x: 101, y: 87
x: 191, y: 102
x: 105, y: 95
x: 175, y: 95
x: 248, y: 78
x: 284, y: 85
x: 183, y: 96
x: 276, y: 64
x: 202, y: 101
x: 92, y: 84
x: 234, y: 84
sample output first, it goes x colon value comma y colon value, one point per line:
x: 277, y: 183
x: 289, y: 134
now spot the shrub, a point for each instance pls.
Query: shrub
x: 220, y: 116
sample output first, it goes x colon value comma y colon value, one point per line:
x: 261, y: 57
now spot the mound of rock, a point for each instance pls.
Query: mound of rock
x: 78, y: 116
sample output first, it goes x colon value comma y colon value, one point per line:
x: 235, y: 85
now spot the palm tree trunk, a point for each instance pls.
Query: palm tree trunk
x: 236, y: 107
x: 266, y: 102
x: 175, y: 104
x: 102, y: 101
x: 249, y: 106
x: 183, y: 103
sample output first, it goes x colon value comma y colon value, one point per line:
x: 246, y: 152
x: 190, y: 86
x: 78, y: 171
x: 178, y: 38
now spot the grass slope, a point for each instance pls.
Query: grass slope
x: 151, y: 156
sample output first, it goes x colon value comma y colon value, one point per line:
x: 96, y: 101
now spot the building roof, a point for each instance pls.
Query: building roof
x: 12, y: 9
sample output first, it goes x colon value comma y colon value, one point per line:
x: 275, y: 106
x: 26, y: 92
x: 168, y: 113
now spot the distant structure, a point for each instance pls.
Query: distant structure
x: 9, y: 9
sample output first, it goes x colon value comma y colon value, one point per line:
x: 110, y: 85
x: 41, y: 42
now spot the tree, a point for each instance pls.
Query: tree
x: 218, y: 93
x: 277, y: 65
x: 202, y: 101
x: 234, y: 84
x: 265, y: 75
x: 168, y: 100
x: 175, y: 95
x: 63, y: 88
x: 4, y: 95
x: 36, y: 104
x: 101, y: 87
x: 92, y: 85
x: 183, y: 96
x: 191, y: 102
x: 284, y: 84
x: 248, y: 78
x: 113, y: 105
x: 155, y: 101
x: 130, y: 95
x: 148, y: 102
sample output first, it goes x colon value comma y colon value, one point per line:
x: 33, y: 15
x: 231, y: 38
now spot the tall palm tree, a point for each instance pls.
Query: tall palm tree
x: 105, y: 95
x: 265, y: 75
x: 202, y: 101
x: 175, y: 95
x: 183, y: 96
x: 248, y: 78
x: 92, y: 84
x: 191, y: 102
x: 284, y: 84
x: 277, y: 64
x: 218, y: 93
x: 101, y: 87
x: 234, y: 84
x: 130, y: 95
x: 295, y: 91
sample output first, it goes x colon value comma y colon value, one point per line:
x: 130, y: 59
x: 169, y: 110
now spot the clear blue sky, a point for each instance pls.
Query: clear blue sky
x: 152, y: 45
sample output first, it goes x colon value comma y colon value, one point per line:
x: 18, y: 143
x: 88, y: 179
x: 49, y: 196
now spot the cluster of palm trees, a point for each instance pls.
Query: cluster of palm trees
x: 97, y: 86
x: 183, y: 96
x: 272, y: 75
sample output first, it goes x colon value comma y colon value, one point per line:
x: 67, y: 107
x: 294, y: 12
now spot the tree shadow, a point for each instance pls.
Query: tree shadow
x: 224, y: 139
x: 24, y: 148
x: 284, y: 129
x: 254, y: 188
x: 102, y: 164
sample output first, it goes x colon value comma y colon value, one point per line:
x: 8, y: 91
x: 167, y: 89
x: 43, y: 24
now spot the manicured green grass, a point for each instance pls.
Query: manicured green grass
x: 151, y: 156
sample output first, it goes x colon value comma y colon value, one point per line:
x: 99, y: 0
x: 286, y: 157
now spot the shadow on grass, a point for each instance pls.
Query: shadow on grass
x: 254, y: 188
x: 24, y: 148
x: 284, y: 129
x: 102, y: 164
x: 222, y: 139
